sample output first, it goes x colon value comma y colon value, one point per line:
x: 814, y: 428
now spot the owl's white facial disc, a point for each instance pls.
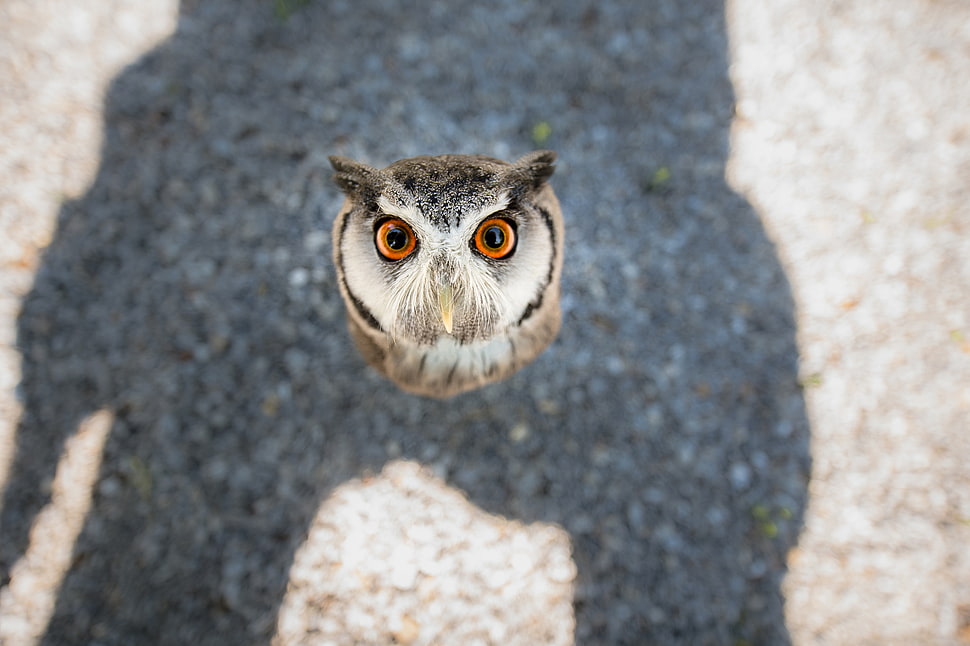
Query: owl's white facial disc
x: 404, y: 297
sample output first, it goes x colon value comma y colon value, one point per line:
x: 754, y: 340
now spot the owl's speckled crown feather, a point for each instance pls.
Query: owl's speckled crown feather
x: 448, y: 178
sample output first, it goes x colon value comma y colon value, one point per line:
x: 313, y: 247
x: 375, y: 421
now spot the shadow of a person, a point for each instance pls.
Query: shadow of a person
x: 190, y: 292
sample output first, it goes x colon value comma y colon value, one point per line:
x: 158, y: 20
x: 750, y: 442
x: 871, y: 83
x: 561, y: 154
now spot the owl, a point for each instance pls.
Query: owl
x: 449, y: 266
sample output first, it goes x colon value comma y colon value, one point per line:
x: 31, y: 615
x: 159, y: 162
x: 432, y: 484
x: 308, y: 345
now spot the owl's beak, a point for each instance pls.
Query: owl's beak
x: 446, y: 303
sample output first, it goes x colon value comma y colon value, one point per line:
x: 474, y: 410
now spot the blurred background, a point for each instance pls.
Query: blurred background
x: 752, y: 429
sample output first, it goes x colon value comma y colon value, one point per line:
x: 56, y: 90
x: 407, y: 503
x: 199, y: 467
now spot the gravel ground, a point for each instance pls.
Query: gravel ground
x: 751, y: 430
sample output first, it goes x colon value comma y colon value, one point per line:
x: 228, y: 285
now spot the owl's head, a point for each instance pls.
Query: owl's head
x: 460, y: 245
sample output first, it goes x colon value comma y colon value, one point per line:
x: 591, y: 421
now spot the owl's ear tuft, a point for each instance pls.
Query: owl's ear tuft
x: 352, y: 176
x: 535, y: 168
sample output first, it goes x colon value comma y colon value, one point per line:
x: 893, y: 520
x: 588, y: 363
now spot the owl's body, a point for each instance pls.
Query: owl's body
x: 449, y: 266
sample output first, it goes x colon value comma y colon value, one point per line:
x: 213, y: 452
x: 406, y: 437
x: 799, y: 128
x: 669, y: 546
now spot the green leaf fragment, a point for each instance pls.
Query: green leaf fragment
x: 541, y: 132
x: 769, y: 529
x: 760, y: 512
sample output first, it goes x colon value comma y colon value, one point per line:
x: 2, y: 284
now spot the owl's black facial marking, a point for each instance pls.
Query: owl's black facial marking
x: 536, y: 303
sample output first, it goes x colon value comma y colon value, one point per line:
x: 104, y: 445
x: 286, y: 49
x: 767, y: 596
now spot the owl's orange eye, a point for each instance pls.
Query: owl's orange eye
x: 394, y: 239
x: 495, y: 238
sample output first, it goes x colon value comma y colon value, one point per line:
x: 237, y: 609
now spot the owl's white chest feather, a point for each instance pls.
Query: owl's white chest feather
x: 449, y: 363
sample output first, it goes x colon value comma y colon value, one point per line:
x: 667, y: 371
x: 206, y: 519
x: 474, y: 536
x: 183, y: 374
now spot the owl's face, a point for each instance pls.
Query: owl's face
x: 451, y: 247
